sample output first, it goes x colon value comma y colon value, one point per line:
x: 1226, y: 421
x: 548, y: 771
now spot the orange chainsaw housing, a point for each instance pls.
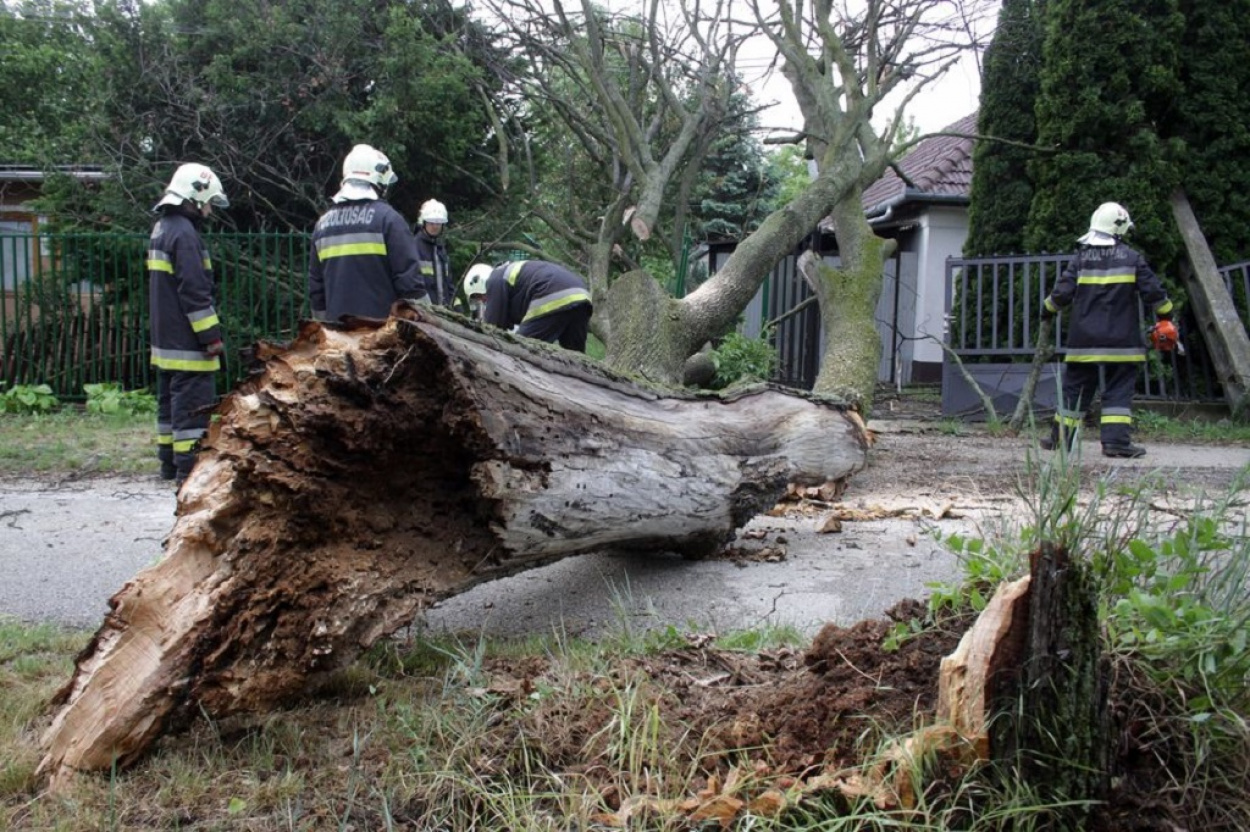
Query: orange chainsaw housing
x: 1163, y: 336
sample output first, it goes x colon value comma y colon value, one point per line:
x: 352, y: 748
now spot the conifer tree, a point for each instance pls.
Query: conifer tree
x: 1001, y: 190
x: 1213, y: 121
x: 1110, y: 78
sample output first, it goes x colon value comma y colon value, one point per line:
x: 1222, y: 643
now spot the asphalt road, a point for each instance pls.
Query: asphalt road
x: 67, y: 546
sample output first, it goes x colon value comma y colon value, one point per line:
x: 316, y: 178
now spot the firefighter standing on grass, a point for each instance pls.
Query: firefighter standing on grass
x: 185, y: 331
x: 1100, y: 286
x: 363, y: 256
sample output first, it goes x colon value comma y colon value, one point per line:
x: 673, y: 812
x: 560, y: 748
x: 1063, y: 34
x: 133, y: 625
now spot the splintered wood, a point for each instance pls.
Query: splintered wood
x: 367, y: 470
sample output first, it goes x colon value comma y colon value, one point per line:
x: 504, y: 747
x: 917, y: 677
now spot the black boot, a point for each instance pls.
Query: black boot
x: 1129, y: 451
x: 1051, y: 443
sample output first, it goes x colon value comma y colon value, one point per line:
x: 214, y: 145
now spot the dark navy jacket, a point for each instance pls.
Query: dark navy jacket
x: 363, y: 259
x: 528, y: 289
x: 435, y: 268
x: 1101, y: 285
x: 181, y: 295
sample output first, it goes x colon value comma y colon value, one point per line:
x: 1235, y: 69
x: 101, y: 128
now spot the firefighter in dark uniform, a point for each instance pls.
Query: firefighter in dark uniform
x: 363, y: 257
x: 542, y: 300
x: 1100, y: 286
x: 432, y: 253
x: 186, y: 333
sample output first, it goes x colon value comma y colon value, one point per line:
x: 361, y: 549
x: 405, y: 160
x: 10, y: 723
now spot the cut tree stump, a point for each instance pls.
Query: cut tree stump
x: 366, y: 471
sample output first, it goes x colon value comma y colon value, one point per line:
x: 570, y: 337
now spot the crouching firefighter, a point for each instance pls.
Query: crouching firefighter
x: 185, y: 331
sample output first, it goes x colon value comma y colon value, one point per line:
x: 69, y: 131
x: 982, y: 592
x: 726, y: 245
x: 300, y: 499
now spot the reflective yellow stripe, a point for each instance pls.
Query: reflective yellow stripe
x: 1068, y: 421
x: 1106, y: 278
x: 184, y: 445
x: 1110, y: 359
x: 160, y: 266
x: 513, y: 271
x: 1050, y: 305
x: 187, y: 364
x: 1116, y: 420
x: 349, y: 249
x: 205, y: 323
x: 165, y: 439
x: 1164, y: 308
x: 558, y: 303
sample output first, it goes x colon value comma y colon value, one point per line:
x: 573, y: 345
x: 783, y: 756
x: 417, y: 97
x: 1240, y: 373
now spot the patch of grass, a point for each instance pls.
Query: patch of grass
x: 1158, y: 427
x: 34, y: 662
x: 73, y: 441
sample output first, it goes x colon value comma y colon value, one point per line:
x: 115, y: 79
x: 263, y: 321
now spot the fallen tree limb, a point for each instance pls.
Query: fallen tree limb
x: 363, y: 473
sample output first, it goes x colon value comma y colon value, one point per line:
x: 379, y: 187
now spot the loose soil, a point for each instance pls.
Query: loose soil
x: 788, y: 716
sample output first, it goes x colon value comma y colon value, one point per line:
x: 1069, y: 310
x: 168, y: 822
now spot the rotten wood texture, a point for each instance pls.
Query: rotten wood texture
x: 1221, y: 326
x: 363, y: 473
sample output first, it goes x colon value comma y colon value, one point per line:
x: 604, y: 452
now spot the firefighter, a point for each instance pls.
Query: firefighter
x: 186, y: 333
x: 432, y: 253
x: 540, y: 299
x: 1104, y: 344
x: 363, y: 256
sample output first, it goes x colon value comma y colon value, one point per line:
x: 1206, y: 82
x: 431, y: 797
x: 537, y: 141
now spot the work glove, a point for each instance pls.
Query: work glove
x: 1163, y: 336
x: 215, y: 348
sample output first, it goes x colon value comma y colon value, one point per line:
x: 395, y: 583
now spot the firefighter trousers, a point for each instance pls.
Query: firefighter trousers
x: 183, y: 403
x: 1081, y: 381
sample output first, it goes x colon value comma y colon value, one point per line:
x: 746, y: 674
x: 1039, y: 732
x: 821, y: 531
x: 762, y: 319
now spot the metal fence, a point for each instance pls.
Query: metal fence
x: 994, y: 309
x: 75, y: 306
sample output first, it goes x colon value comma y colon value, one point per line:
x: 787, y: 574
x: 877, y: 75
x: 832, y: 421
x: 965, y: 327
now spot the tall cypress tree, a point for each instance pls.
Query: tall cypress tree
x: 1001, y: 190
x: 1110, y: 79
x: 1213, y: 121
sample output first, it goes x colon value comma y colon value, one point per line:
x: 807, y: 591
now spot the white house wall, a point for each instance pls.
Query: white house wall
x: 942, y: 231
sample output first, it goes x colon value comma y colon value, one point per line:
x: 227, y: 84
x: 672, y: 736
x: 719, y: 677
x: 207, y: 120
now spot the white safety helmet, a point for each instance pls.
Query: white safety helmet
x: 432, y: 211
x: 195, y: 183
x: 366, y: 172
x: 475, y: 279
x: 1109, y: 220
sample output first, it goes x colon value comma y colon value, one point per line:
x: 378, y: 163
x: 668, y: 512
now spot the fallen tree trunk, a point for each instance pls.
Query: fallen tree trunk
x: 1213, y: 306
x: 364, y: 473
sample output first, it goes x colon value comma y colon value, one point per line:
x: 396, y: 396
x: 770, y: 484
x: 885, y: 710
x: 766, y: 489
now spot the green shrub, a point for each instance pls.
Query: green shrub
x: 108, y: 397
x: 28, y: 398
x: 739, y: 358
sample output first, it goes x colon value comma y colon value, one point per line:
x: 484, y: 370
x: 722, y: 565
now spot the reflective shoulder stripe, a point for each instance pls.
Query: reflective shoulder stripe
x: 1164, y: 308
x: 513, y: 271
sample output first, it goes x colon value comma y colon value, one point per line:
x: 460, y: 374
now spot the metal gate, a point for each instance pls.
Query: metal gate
x: 993, y: 310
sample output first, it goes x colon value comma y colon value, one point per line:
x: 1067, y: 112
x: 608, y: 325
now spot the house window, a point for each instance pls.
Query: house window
x: 16, y: 252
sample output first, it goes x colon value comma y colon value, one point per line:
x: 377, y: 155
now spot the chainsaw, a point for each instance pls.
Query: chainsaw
x: 1165, y: 337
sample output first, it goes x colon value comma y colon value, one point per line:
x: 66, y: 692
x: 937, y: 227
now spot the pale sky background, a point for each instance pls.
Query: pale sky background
x: 939, y: 105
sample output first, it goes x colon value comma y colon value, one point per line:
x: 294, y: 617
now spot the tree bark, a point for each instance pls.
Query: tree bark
x: 365, y: 472
x: 1055, y: 723
x: 1221, y: 326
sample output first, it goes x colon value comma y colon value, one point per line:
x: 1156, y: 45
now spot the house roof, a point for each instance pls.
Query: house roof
x: 940, y: 168
x: 26, y: 173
